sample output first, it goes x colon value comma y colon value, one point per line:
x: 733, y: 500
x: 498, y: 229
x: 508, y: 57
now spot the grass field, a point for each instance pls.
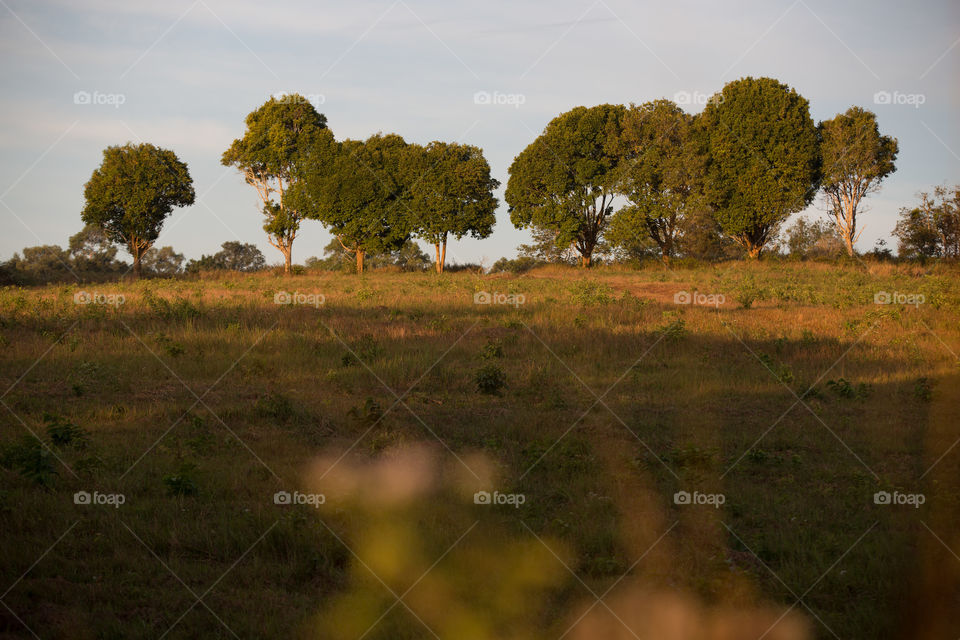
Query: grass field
x: 594, y: 400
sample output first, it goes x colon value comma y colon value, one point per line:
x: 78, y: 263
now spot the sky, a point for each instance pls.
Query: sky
x: 78, y: 76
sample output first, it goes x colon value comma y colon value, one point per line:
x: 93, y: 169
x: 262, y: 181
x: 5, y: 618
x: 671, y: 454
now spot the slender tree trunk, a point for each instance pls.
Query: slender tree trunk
x: 443, y: 254
x: 753, y: 251
x: 137, y: 251
x: 287, y: 255
x: 438, y: 265
x: 584, y: 260
x: 359, y: 261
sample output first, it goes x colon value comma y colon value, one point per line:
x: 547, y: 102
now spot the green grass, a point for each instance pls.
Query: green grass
x: 598, y: 399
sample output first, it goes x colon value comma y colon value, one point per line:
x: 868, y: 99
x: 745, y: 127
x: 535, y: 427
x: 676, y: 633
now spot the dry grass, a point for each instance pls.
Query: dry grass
x: 692, y: 398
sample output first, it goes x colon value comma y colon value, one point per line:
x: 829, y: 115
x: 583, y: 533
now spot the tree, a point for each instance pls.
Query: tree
x: 661, y: 175
x: 233, y: 256
x: 362, y: 196
x: 819, y: 239
x: 931, y: 229
x: 279, y: 136
x: 452, y: 194
x: 238, y: 256
x: 409, y: 257
x: 163, y: 262
x: 42, y: 264
x: 764, y: 159
x: 545, y: 248
x: 856, y: 159
x: 91, y: 251
x: 133, y: 191
x: 566, y: 179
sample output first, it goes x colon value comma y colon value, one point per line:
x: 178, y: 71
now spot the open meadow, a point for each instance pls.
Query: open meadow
x: 768, y: 449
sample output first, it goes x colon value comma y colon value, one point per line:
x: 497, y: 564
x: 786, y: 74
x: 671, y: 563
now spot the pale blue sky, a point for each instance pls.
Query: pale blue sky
x: 188, y: 71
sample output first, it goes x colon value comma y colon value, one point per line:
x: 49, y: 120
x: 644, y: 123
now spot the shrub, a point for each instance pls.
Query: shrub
x: 490, y: 379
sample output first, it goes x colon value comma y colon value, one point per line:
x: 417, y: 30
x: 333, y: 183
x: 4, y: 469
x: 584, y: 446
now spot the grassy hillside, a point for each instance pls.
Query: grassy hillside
x: 783, y: 407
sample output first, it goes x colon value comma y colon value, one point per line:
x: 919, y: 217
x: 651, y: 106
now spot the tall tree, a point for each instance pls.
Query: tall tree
x: 133, y: 191
x: 279, y: 135
x: 662, y: 175
x: 856, y: 159
x: 566, y: 179
x: 764, y: 159
x: 361, y: 196
x: 451, y: 193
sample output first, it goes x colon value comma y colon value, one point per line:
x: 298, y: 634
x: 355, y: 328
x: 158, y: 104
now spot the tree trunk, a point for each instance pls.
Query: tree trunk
x: 443, y: 254
x: 438, y: 265
x: 359, y: 261
x: 137, y: 251
x: 584, y: 260
x: 287, y: 255
x: 849, y: 242
x: 753, y: 250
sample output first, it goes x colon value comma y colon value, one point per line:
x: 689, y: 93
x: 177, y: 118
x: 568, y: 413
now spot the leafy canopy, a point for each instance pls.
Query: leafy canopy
x: 362, y: 195
x: 661, y: 175
x: 133, y: 191
x: 764, y: 158
x: 451, y: 191
x: 565, y: 179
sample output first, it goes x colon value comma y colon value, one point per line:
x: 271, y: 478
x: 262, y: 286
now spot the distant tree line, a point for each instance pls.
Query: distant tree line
x: 694, y: 184
x: 612, y: 183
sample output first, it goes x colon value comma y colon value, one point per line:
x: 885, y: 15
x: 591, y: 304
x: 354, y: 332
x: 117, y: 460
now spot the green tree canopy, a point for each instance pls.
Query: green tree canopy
x: 566, y: 179
x: 279, y: 136
x: 362, y: 195
x: 661, y: 176
x: 931, y: 229
x: 764, y: 158
x: 856, y: 159
x: 133, y: 191
x: 451, y: 193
